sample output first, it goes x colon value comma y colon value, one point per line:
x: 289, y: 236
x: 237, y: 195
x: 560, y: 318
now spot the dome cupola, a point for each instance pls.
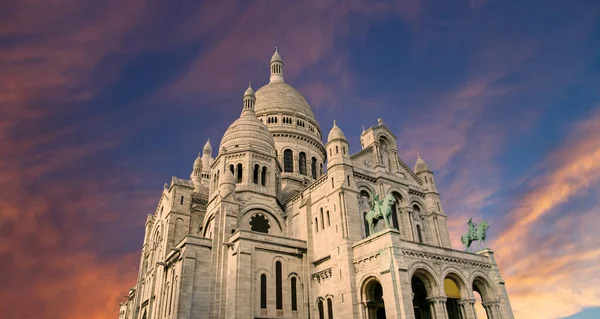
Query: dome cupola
x: 247, y: 130
x: 276, y: 68
x: 335, y: 133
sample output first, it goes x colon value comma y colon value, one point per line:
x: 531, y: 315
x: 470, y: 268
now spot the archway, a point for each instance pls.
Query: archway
x: 452, y: 297
x: 373, y: 299
x: 424, y: 288
x: 420, y: 303
x: 483, y: 288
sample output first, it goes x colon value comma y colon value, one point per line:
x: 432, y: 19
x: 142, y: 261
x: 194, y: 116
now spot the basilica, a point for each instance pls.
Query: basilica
x: 275, y: 223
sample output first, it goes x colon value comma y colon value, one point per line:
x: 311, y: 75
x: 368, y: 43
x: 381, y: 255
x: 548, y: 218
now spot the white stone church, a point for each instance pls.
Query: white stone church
x: 262, y: 230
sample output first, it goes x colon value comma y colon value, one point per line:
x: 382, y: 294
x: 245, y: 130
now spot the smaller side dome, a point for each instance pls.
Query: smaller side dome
x: 421, y: 166
x: 335, y: 133
x: 228, y: 178
x: 198, y: 162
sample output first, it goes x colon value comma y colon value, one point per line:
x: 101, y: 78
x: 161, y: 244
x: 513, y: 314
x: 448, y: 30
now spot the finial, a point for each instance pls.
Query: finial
x: 418, y: 155
x: 363, y: 127
x: 379, y: 121
x: 276, y: 49
x: 334, y: 123
x: 199, y: 154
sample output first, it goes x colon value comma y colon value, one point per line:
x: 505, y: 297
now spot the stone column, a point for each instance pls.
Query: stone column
x: 467, y: 310
x: 439, y: 307
x: 492, y: 309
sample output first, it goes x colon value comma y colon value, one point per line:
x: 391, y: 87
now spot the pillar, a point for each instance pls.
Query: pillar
x: 438, y: 307
x: 467, y: 309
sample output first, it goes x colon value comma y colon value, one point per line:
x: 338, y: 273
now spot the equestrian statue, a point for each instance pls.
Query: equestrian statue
x: 380, y: 209
x: 477, y: 232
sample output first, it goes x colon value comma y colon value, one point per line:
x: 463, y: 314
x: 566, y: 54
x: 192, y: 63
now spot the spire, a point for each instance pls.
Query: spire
x: 207, y: 148
x: 276, y: 68
x: 249, y: 99
x: 420, y: 166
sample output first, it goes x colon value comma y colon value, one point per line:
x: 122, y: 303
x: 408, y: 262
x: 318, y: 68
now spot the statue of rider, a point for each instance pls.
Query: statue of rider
x: 376, y: 202
x: 472, y: 228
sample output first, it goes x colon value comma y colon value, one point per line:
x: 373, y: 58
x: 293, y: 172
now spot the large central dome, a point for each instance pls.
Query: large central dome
x: 278, y: 96
x: 296, y: 133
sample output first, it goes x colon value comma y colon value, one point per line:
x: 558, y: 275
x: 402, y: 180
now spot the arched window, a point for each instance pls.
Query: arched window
x: 321, y: 168
x: 419, y: 233
x: 316, y: 225
x: 294, y: 297
x: 321, y: 312
x: 313, y: 168
x: 322, y: 220
x: 278, y: 286
x: 231, y: 169
x: 328, y: 220
x: 239, y: 173
x: 263, y: 176
x: 263, y: 291
x: 302, y: 163
x: 330, y: 308
x: 288, y: 161
x: 337, y: 149
x: 396, y: 210
x: 255, y: 175
x: 366, y: 224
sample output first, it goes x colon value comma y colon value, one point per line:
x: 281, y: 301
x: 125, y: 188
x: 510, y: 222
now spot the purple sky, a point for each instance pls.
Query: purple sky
x: 101, y: 102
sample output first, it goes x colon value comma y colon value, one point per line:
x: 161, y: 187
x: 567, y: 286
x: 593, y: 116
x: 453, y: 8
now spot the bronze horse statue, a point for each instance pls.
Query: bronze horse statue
x: 380, y: 209
x: 476, y: 233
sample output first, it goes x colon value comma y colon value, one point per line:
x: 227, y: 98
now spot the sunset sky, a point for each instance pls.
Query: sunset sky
x: 101, y: 102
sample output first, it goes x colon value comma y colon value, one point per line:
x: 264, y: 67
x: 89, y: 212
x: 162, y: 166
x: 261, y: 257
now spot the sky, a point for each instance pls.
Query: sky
x: 101, y: 102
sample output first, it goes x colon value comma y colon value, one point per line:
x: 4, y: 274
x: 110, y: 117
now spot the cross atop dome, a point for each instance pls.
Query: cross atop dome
x: 276, y: 67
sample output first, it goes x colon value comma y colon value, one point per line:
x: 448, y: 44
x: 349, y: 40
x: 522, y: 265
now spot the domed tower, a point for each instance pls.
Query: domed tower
x: 337, y: 147
x: 196, y: 175
x: 296, y: 133
x: 247, y: 150
x: 437, y: 218
x: 206, y: 162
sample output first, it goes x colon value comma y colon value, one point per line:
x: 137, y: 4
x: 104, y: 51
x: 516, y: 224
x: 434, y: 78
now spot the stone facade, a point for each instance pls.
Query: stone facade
x: 263, y: 231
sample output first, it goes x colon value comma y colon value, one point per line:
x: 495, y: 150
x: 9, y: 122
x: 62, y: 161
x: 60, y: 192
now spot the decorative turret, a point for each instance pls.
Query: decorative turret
x: 206, y: 162
x: 249, y: 99
x: 227, y: 183
x: 276, y: 68
x: 196, y: 175
x: 425, y: 174
x: 207, y: 150
x: 337, y: 147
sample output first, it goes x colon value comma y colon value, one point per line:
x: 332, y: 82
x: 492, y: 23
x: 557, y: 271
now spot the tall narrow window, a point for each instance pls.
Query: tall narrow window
x: 263, y: 176
x: 294, y: 299
x: 322, y: 220
x: 348, y: 179
x: 332, y: 184
x: 263, y: 291
x: 337, y: 150
x: 231, y: 169
x: 328, y: 220
x: 330, y: 308
x: 288, y: 161
x: 255, y: 175
x: 321, y: 312
x: 278, y: 286
x: 366, y: 224
x: 181, y: 201
x: 316, y: 225
x: 321, y: 168
x: 313, y: 168
x: 419, y: 233
x: 239, y: 173
x: 302, y: 163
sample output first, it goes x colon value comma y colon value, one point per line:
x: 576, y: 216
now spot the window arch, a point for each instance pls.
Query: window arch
x: 321, y: 311
x: 288, y: 161
x: 263, y: 176
x: 313, y: 167
x: 419, y: 235
x: 231, y: 169
x: 302, y: 163
x: 278, y: 286
x: 239, y: 173
x: 263, y: 291
x: 255, y: 175
x: 293, y: 293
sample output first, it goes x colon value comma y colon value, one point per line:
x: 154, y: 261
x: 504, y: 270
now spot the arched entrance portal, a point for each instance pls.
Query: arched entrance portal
x: 373, y: 299
x: 452, y: 298
x: 488, y: 300
x: 420, y: 303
